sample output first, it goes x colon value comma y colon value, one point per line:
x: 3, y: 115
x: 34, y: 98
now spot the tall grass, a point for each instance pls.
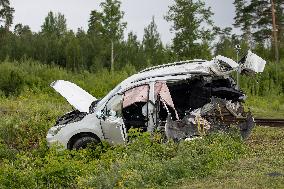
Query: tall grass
x: 143, y: 163
x: 268, y: 83
x: 17, y: 76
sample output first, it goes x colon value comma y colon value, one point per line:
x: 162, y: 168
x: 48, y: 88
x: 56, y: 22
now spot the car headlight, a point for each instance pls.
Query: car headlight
x: 54, y: 130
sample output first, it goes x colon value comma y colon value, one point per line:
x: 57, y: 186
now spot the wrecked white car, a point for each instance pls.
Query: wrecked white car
x: 184, y: 100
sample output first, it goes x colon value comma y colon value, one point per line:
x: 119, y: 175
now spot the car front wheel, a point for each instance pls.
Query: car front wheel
x: 83, y: 142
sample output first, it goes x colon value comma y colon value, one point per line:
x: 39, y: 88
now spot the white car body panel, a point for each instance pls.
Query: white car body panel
x: 253, y: 63
x: 89, y: 124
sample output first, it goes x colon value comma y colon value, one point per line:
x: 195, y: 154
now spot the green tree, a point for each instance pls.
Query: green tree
x: 23, y: 42
x: 6, y: 14
x: 96, y: 24
x: 152, y: 44
x: 192, y: 38
x: 21, y: 29
x: 108, y: 24
x: 132, y: 52
x: 254, y: 18
x: 51, y: 39
x: 54, y: 24
x: 225, y: 45
x: 73, y: 52
x: 243, y: 18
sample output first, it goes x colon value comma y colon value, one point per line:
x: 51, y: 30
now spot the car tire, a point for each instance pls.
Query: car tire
x: 83, y: 142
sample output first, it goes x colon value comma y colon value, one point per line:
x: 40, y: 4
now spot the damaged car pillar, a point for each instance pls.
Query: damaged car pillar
x: 185, y: 100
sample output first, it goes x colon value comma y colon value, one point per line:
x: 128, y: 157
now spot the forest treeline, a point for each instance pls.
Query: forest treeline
x: 103, y: 44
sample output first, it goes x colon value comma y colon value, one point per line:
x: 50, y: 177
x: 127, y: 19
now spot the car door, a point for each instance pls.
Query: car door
x: 112, y: 125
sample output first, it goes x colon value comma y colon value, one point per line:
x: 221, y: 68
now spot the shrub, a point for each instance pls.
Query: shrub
x: 146, y: 162
x: 12, y: 80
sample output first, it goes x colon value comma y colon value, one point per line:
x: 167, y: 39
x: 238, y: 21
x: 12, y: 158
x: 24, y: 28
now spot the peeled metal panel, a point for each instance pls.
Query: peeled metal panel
x: 162, y: 89
x: 254, y: 63
x: 137, y: 94
x: 223, y: 65
x: 77, y: 97
x: 227, y: 60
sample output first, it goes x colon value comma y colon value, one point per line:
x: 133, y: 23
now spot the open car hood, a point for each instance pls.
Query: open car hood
x: 76, y: 96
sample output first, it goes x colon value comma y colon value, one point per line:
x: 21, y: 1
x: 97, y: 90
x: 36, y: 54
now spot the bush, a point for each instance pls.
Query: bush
x: 146, y: 162
x: 11, y: 80
x: 38, y: 77
x: 268, y: 83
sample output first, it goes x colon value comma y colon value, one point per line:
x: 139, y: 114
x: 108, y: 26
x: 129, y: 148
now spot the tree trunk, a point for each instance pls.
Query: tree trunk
x: 112, y: 57
x: 274, y: 31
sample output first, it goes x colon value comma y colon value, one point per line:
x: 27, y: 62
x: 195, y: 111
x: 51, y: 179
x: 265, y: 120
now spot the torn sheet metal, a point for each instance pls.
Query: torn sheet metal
x: 137, y: 94
x: 223, y: 66
x: 250, y: 63
x: 189, y: 127
x: 163, y: 91
x: 225, y: 60
x: 214, y: 116
x: 253, y: 63
x: 77, y: 97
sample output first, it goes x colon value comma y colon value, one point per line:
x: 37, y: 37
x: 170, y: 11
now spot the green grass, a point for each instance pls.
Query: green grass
x: 262, y: 167
x: 266, y: 107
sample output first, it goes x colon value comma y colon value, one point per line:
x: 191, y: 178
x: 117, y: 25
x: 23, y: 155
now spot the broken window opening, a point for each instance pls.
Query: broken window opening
x: 133, y: 116
x: 194, y: 93
x: 113, y: 107
x: 134, y: 103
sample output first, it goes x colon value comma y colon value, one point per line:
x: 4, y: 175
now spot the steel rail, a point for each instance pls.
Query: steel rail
x: 269, y: 122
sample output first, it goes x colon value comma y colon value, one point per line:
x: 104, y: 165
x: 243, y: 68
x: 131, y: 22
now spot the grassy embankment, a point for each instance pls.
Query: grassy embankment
x: 28, y: 107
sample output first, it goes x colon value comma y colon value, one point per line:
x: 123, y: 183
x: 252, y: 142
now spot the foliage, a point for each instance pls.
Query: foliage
x: 11, y: 80
x: 243, y: 18
x: 107, y: 26
x: 268, y: 83
x: 108, y: 22
x: 37, y: 77
x: 194, y: 33
x: 145, y: 162
x: 262, y: 167
x: 6, y: 14
x: 254, y: 18
x: 191, y: 37
x: 152, y: 45
x: 54, y: 24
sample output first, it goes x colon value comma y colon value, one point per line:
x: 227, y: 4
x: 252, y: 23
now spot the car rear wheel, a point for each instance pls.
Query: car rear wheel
x: 83, y: 142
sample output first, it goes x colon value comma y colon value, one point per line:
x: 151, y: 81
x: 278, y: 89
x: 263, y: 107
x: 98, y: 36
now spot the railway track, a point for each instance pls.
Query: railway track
x: 269, y: 122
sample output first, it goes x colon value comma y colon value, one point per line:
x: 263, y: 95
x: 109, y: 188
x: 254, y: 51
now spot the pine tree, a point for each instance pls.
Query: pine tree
x: 244, y: 18
x: 254, y: 17
x: 152, y: 44
x: 6, y: 14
